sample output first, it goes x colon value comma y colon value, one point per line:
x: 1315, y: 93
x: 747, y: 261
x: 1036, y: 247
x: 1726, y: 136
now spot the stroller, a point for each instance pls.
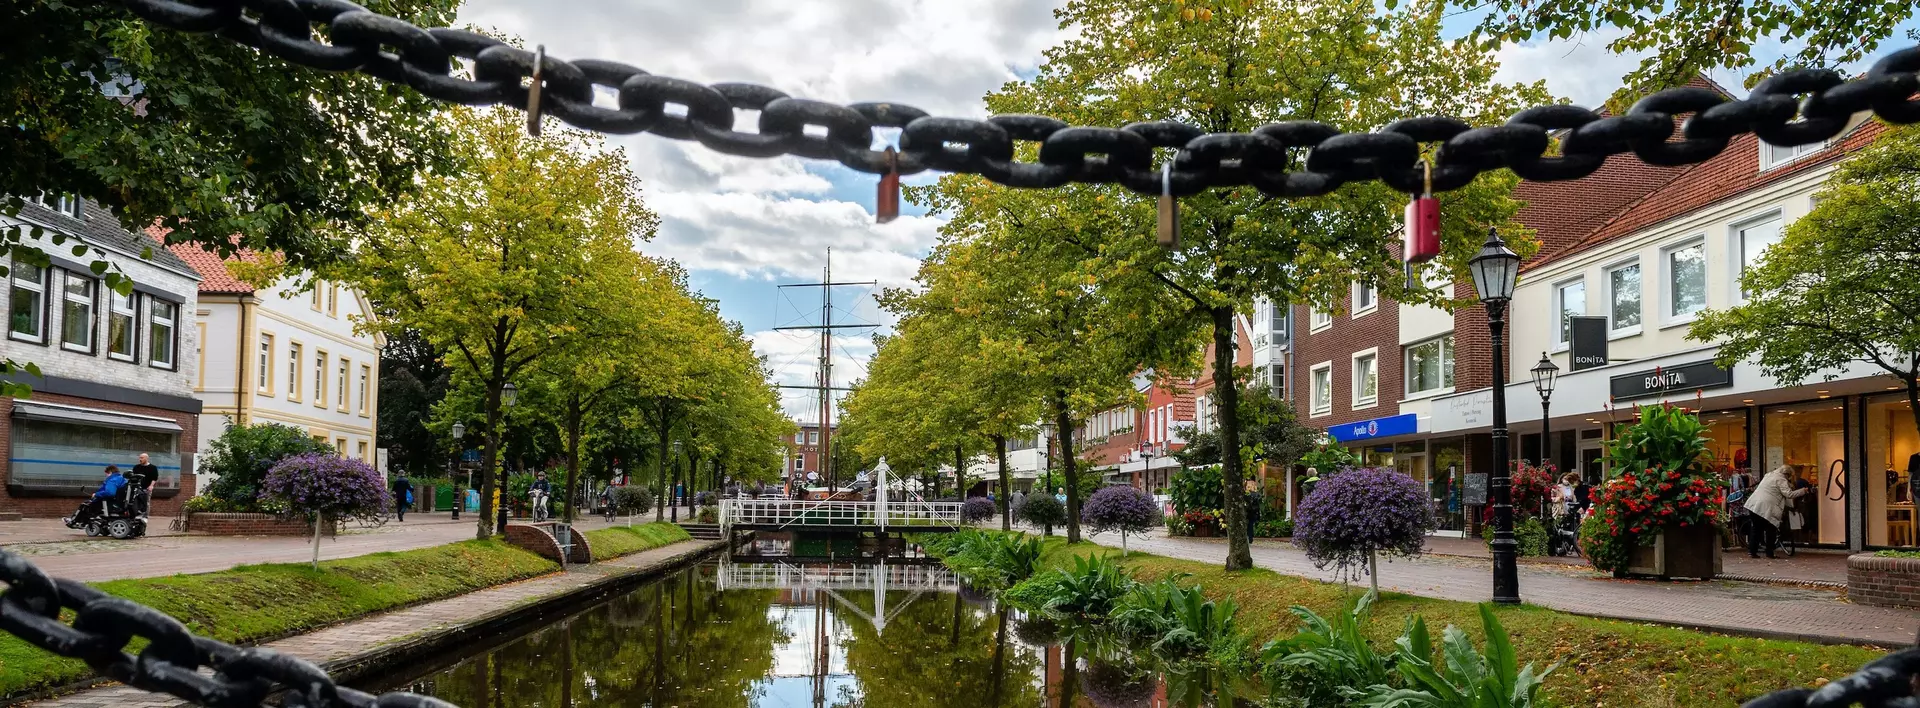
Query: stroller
x: 122, y: 516
x: 1563, y: 537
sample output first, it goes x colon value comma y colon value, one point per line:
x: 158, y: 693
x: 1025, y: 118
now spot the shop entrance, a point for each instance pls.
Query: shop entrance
x: 1811, y: 440
x: 1892, y: 471
x: 1445, y: 477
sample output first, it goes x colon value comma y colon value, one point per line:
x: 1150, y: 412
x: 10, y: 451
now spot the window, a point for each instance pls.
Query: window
x: 1366, y: 378
x: 1430, y: 366
x: 813, y: 437
x: 65, y: 204
x: 76, y: 314
x: 265, y: 375
x: 340, y: 444
x: 1755, y: 239
x: 1772, y: 156
x: 1277, y: 379
x: 1318, y: 319
x: 1686, y: 280
x: 1323, y: 389
x: 28, y: 311
x: 363, y: 453
x: 799, y: 463
x: 315, y: 301
x: 123, y: 331
x: 340, y: 384
x: 1571, y: 302
x: 1365, y: 298
x: 366, y: 376
x: 319, y: 378
x: 294, y: 359
x: 200, y: 357
x: 1623, y: 298
x: 162, y: 322
x: 333, y: 299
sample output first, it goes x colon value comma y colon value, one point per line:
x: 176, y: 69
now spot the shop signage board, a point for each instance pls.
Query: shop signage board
x: 1476, y: 488
x: 1660, y: 381
x: 1589, y: 346
x: 1403, y: 424
x: 1463, y: 412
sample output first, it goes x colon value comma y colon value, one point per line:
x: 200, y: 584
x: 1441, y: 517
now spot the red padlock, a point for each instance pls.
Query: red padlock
x: 1422, y: 236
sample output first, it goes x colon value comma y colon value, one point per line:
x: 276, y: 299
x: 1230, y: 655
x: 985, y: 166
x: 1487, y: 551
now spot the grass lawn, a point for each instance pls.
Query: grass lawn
x: 1602, y: 662
x: 615, y: 541
x: 259, y: 602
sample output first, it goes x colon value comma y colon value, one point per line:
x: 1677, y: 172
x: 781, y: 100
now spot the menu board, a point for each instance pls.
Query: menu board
x: 1476, y: 488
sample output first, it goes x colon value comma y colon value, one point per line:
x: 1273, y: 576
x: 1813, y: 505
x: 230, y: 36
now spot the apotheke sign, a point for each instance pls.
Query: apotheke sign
x: 1670, y: 379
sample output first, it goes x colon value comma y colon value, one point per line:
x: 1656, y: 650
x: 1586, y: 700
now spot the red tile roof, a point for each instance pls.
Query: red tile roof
x: 214, y: 276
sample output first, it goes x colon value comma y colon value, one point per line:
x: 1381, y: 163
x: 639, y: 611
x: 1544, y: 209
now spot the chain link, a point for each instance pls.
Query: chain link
x: 399, y: 52
x: 1793, y: 108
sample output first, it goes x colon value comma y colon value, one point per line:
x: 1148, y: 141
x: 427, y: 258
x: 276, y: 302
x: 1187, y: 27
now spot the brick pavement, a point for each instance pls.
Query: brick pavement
x: 1809, y: 566
x: 354, y: 641
x: 92, y: 560
x: 1724, y: 606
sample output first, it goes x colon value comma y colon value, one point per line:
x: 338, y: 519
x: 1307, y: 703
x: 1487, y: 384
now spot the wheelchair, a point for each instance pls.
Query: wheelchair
x: 121, y: 516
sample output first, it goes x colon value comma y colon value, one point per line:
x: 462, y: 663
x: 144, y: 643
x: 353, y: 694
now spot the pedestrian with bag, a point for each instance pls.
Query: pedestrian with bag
x: 1767, y: 507
x: 402, y: 495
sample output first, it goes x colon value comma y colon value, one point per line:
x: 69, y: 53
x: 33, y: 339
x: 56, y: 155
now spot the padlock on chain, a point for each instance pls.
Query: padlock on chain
x: 886, y: 203
x: 1421, y: 241
x: 1168, y: 234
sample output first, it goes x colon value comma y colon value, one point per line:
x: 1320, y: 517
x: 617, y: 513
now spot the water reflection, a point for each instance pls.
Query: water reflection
x: 759, y: 632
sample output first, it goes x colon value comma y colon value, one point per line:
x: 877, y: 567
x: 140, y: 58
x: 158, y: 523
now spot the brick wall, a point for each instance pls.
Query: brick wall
x: 1379, y: 330
x: 1894, y: 582
x: 56, y: 507
x: 539, y: 539
x: 250, y: 525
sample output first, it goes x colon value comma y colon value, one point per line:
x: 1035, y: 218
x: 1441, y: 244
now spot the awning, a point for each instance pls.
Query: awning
x: 92, y: 416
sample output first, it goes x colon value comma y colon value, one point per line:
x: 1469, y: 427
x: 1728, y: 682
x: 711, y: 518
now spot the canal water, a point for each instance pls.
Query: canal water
x: 792, y: 624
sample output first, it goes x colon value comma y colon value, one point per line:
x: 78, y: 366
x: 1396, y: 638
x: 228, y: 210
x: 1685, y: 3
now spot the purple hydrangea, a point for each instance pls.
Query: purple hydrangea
x: 328, y: 485
x: 1120, y: 508
x: 977, y: 509
x: 1352, y: 515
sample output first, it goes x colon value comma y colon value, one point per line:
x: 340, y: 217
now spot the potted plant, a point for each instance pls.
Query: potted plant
x: 1661, y: 517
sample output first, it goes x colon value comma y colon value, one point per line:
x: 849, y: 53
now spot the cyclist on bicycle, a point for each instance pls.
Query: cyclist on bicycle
x: 538, y: 495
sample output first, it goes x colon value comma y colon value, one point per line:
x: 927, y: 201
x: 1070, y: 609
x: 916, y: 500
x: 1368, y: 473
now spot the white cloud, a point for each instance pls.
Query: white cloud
x: 794, y: 357
x: 748, y: 234
x: 1578, y: 68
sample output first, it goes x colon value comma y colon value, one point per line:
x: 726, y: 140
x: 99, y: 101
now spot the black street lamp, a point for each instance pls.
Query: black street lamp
x: 1543, y: 375
x: 508, y: 394
x: 1496, y: 269
x: 459, y: 431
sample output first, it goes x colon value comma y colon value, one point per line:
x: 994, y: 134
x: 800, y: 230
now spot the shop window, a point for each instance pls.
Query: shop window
x: 68, y: 457
x: 1811, y: 440
x: 28, y: 310
x: 1892, y: 466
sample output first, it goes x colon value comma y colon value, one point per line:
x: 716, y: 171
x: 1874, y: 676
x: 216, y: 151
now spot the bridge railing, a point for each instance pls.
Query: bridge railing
x: 788, y: 512
x: 783, y: 576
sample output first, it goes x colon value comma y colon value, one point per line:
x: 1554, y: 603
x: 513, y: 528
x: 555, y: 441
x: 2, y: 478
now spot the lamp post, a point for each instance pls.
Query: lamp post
x: 1496, y: 269
x: 459, y: 431
x: 1543, y: 375
x: 673, y: 497
x: 508, y: 394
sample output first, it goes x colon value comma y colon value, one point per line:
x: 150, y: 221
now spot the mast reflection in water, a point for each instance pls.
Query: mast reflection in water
x: 802, y: 622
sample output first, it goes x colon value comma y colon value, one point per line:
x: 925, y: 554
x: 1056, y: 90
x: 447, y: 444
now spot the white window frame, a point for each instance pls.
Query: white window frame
x: 67, y: 204
x: 1318, y: 320
x: 1373, y: 300
x: 1667, y: 316
x: 366, y: 388
x: 91, y: 302
x: 1359, y: 401
x: 296, y: 361
x: 320, y: 372
x: 342, y: 371
x: 1407, y: 368
x: 1319, y: 406
x: 1768, y: 161
x: 1614, y: 330
x: 37, y: 287
x: 1561, y: 323
x: 1737, y: 245
x: 131, y: 315
x: 263, y: 379
x: 154, y: 322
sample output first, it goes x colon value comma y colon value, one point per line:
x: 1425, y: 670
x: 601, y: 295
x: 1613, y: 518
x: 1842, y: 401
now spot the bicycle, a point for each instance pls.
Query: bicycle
x: 540, y: 511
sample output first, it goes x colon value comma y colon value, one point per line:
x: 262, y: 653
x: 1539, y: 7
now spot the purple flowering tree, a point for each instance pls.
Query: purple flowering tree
x: 976, y: 510
x: 323, y: 487
x: 1124, y: 509
x: 1349, y: 519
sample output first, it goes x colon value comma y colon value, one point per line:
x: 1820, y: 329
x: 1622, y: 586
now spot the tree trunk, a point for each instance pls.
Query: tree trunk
x: 490, y: 459
x: 673, y: 490
x: 316, y: 540
x: 959, y: 473
x: 660, y: 468
x: 1373, y: 572
x: 1064, y: 423
x: 1006, y: 486
x: 1225, y: 391
x: 573, y: 459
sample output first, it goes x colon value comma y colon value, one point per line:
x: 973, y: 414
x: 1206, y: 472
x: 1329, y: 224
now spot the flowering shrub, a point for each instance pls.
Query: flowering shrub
x: 1042, y: 510
x: 328, y: 486
x: 976, y: 510
x: 632, y: 499
x: 1351, y: 516
x: 1122, y: 509
x: 1668, y: 482
x: 1198, y: 521
x: 1530, y: 487
x: 1177, y: 525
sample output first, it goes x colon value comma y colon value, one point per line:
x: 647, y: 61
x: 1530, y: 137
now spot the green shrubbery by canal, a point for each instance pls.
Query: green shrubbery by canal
x: 257, y: 603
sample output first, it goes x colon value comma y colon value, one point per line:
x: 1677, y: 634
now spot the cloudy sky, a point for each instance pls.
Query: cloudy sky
x: 744, y: 226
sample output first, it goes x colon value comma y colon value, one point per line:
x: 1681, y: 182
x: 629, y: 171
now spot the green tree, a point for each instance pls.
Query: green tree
x: 1839, y: 287
x: 241, y: 456
x: 1233, y: 67
x: 497, y: 265
x: 413, y: 379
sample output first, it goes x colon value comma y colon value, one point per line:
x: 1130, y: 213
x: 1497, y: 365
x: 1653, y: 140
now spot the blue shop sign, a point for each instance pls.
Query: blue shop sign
x: 1402, y: 424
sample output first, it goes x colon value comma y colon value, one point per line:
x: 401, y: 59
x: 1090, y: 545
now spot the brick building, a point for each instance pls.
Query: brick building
x: 117, y: 371
x: 803, y: 455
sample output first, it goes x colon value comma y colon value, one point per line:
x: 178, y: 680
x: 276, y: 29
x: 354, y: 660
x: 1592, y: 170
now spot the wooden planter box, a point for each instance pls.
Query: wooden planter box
x: 1888, y: 582
x: 1679, y: 552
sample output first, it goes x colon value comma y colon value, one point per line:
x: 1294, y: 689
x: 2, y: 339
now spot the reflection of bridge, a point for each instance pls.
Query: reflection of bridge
x: 880, y: 515
x: 832, y: 580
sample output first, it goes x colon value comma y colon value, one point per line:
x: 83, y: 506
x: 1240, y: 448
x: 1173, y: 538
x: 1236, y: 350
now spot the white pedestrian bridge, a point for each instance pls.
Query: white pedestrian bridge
x: 878, y: 515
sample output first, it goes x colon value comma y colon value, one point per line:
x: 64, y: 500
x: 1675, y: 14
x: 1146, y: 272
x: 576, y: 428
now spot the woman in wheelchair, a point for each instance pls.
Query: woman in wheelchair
x: 117, y: 509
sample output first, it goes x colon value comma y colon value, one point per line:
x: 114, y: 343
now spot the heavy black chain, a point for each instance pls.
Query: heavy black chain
x: 1793, y: 108
x: 103, y: 625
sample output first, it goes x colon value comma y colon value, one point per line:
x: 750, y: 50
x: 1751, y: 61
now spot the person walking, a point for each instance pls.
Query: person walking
x: 1255, y: 501
x: 145, y: 472
x: 402, y: 495
x: 1767, y: 509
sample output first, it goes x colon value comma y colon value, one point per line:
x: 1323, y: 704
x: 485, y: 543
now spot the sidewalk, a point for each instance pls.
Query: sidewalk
x: 356, y: 641
x: 1809, y: 567
x: 71, y: 554
x: 1733, y: 607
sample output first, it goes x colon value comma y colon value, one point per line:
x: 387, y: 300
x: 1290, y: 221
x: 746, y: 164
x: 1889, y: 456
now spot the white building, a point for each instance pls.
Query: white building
x: 283, y: 354
x: 116, y: 370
